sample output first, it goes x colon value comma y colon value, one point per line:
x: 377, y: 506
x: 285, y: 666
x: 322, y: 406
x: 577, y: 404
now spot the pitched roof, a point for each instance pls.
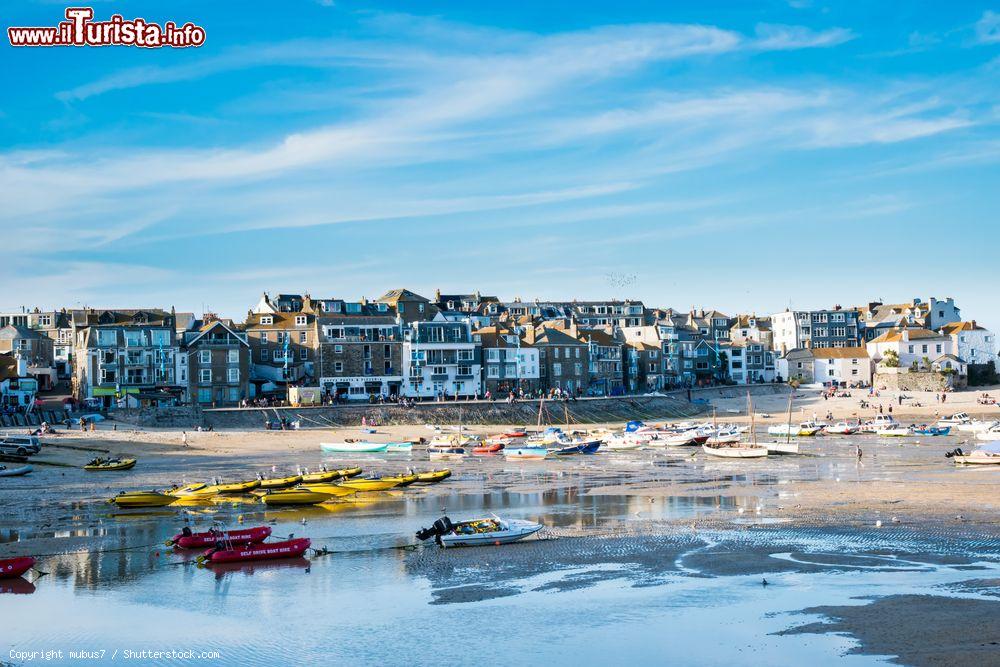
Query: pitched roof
x: 840, y: 353
x: 955, y: 327
x: 392, y: 296
x: 914, y: 333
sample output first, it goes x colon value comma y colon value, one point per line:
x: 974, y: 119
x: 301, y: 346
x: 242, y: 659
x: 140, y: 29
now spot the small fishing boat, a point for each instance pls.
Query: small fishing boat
x: 977, y: 425
x: 682, y: 439
x: 623, y: 442
x: 782, y: 447
x: 802, y: 429
x: 263, y: 551
x: 445, y: 453
x: 897, y: 431
x: 333, y: 490
x: 735, y: 450
x: 369, y: 484
x: 987, y: 454
x: 433, y: 476
x: 296, y: 496
x: 129, y: 499
x: 15, y: 567
x: 110, y: 464
x: 878, y: 422
x: 488, y: 447
x: 515, y: 434
x: 956, y: 419
x: 526, y: 453
x: 478, y: 532
x: 842, y: 428
x: 188, y: 540
x: 14, y: 472
x: 360, y: 446
x: 399, y: 447
x: 279, y: 482
x: 320, y: 477
x: 932, y: 430
x: 569, y: 446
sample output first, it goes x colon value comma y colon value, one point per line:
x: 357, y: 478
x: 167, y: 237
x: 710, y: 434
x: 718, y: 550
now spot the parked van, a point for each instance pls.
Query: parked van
x: 21, y: 445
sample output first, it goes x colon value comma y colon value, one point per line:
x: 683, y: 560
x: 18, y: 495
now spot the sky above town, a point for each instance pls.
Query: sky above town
x: 730, y: 155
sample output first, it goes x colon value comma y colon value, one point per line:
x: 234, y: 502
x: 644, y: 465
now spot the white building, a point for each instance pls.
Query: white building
x: 912, y: 345
x: 843, y: 365
x: 441, y: 359
x: 971, y: 343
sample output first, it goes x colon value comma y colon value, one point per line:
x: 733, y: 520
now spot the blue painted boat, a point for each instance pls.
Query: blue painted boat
x: 581, y: 447
x: 933, y: 430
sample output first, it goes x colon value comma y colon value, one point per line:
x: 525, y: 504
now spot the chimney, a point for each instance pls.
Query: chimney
x: 529, y: 335
x: 906, y: 334
x: 973, y: 324
x: 437, y: 294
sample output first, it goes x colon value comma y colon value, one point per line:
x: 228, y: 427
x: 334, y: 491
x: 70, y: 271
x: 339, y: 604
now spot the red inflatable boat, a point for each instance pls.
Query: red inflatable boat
x: 209, y: 539
x: 287, y: 549
x: 15, y: 567
x: 487, y: 448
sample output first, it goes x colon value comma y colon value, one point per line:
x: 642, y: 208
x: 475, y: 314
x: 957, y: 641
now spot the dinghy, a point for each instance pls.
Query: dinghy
x: 98, y: 465
x: 14, y: 472
x: 263, y: 551
x: 130, y: 499
x: 188, y: 540
x: 15, y: 567
x: 360, y: 446
x: 987, y: 454
x: 526, y: 453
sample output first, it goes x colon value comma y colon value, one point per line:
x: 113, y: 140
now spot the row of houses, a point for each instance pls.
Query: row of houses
x: 465, y: 345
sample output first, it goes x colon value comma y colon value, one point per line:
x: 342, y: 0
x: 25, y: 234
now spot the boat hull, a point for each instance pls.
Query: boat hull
x: 15, y: 567
x: 208, y: 539
x: 515, y: 531
x: 729, y: 452
x: 142, y: 499
x: 287, y: 549
x: 526, y: 453
x: 15, y: 472
x: 432, y: 477
x: 354, y: 447
x: 124, y: 464
x: 295, y: 497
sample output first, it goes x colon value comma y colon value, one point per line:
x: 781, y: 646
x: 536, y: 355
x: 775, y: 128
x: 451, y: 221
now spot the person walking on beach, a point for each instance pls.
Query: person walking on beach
x: 184, y: 438
x: 858, y: 451
x: 890, y: 409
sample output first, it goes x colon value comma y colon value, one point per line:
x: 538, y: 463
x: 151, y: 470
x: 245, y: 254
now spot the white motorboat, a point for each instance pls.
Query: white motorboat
x: 897, y: 431
x: 478, y: 532
x: 526, y: 453
x: 990, y: 435
x: 987, y: 454
x: 803, y: 429
x: 842, y: 428
x: 354, y: 446
x: 977, y: 425
x: 878, y: 422
x: 723, y: 437
x: 955, y: 420
x: 682, y: 439
x: 782, y: 447
x: 623, y: 442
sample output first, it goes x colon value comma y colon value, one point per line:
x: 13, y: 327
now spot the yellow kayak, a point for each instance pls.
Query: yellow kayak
x: 320, y: 477
x: 110, y: 464
x: 400, y: 480
x: 142, y: 499
x: 280, y: 482
x: 297, y: 496
x: 368, y: 484
x: 335, y: 490
x: 433, y: 476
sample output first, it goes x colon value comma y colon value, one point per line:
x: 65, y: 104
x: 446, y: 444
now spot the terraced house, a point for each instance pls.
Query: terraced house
x: 834, y: 327
x: 613, y: 313
x: 218, y: 362
x: 441, y: 360
x: 509, y: 363
x: 604, y: 366
x: 563, y: 356
x: 360, y: 348
x: 282, y: 337
x: 127, y: 357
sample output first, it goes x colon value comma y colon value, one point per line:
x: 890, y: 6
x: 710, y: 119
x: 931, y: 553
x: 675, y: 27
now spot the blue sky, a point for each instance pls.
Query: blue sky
x: 742, y: 156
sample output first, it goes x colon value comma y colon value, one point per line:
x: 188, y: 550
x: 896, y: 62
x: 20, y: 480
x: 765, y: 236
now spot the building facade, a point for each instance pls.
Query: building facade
x: 441, y: 360
x: 217, y: 364
x: 360, y: 351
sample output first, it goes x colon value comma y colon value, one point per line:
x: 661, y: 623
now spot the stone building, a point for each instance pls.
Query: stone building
x: 218, y: 363
x: 360, y: 347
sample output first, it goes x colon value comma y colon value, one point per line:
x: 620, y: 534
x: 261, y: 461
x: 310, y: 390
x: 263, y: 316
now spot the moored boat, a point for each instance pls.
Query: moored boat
x: 987, y: 454
x: 735, y: 450
x: 296, y: 496
x: 263, y: 551
x: 478, y: 532
x: 526, y: 453
x: 897, y: 431
x: 445, y: 452
x: 14, y: 472
x: 186, y: 490
x: 400, y: 480
x: 320, y: 476
x: 957, y: 419
x: 488, y: 447
x: 433, y: 476
x: 369, y: 484
x: 15, y: 567
x: 842, y: 428
x: 360, y: 446
x: 399, y: 447
x: 279, y: 482
x: 932, y: 430
x: 570, y: 446
x: 97, y: 465
x: 131, y: 499
x: 333, y: 490
x: 189, y: 540
x: 782, y: 447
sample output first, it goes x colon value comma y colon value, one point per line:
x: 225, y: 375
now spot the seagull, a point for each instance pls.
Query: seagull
x: 878, y: 524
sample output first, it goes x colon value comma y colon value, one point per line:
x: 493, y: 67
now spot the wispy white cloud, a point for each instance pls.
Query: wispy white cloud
x: 987, y: 28
x: 773, y: 37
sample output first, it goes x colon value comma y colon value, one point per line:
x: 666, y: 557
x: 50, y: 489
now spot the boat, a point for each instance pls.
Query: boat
x: 803, y: 429
x: 730, y: 449
x: 349, y: 472
x: 15, y: 567
x: 359, y: 446
x: 279, y: 482
x: 876, y: 423
x: 128, y: 499
x: 987, y: 454
x: 775, y: 447
x: 842, y: 428
x: 567, y: 446
x: 478, y: 532
x: 978, y: 425
x: 320, y: 477
x: 956, y: 419
x: 369, y: 484
x: 897, y: 431
x: 623, y: 442
x: 219, y: 489
x: 333, y: 490
x: 297, y: 496
x: 932, y: 430
x: 14, y: 472
x: 110, y: 464
x: 680, y: 439
x: 526, y: 453
x: 445, y: 452
x: 188, y: 540
x: 16, y: 586
x: 488, y: 447
x: 515, y: 434
x: 399, y: 447
x: 401, y: 480
x: 989, y: 435
x: 263, y: 551
x: 433, y: 476
x: 185, y: 490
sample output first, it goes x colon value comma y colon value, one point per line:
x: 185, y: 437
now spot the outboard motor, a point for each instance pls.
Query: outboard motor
x: 442, y: 526
x: 956, y: 452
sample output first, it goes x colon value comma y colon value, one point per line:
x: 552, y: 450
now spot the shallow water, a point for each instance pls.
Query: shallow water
x: 646, y: 591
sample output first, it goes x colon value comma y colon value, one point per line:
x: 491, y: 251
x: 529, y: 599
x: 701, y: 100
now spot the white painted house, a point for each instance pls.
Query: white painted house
x: 912, y: 345
x: 842, y: 365
x: 441, y: 359
x: 971, y: 343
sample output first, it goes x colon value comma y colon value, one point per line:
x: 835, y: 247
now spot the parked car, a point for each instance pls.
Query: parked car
x: 21, y: 445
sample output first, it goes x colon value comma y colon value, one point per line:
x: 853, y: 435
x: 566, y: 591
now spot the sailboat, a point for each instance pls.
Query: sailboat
x: 533, y: 448
x: 786, y: 447
x: 738, y: 450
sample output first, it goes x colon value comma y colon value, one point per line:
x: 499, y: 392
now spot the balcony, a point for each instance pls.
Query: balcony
x: 439, y: 377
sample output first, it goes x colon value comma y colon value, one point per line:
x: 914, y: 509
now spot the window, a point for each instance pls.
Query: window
x: 493, y: 371
x: 386, y: 351
x: 910, y: 349
x: 577, y: 353
x: 555, y: 353
x: 300, y: 320
x: 465, y: 355
x: 938, y: 348
x: 302, y: 336
x: 234, y: 375
x: 388, y: 366
x: 465, y: 370
x: 204, y: 395
x: 557, y: 368
x: 338, y: 349
x: 263, y: 355
x: 205, y: 357
x: 107, y: 337
x: 205, y: 376
x: 233, y: 356
x: 923, y: 348
x: 44, y: 320
x: 578, y: 368
x: 338, y: 367
x: 234, y: 394
x: 263, y: 337
x: 303, y: 354
x: 266, y: 319
x: 493, y: 354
